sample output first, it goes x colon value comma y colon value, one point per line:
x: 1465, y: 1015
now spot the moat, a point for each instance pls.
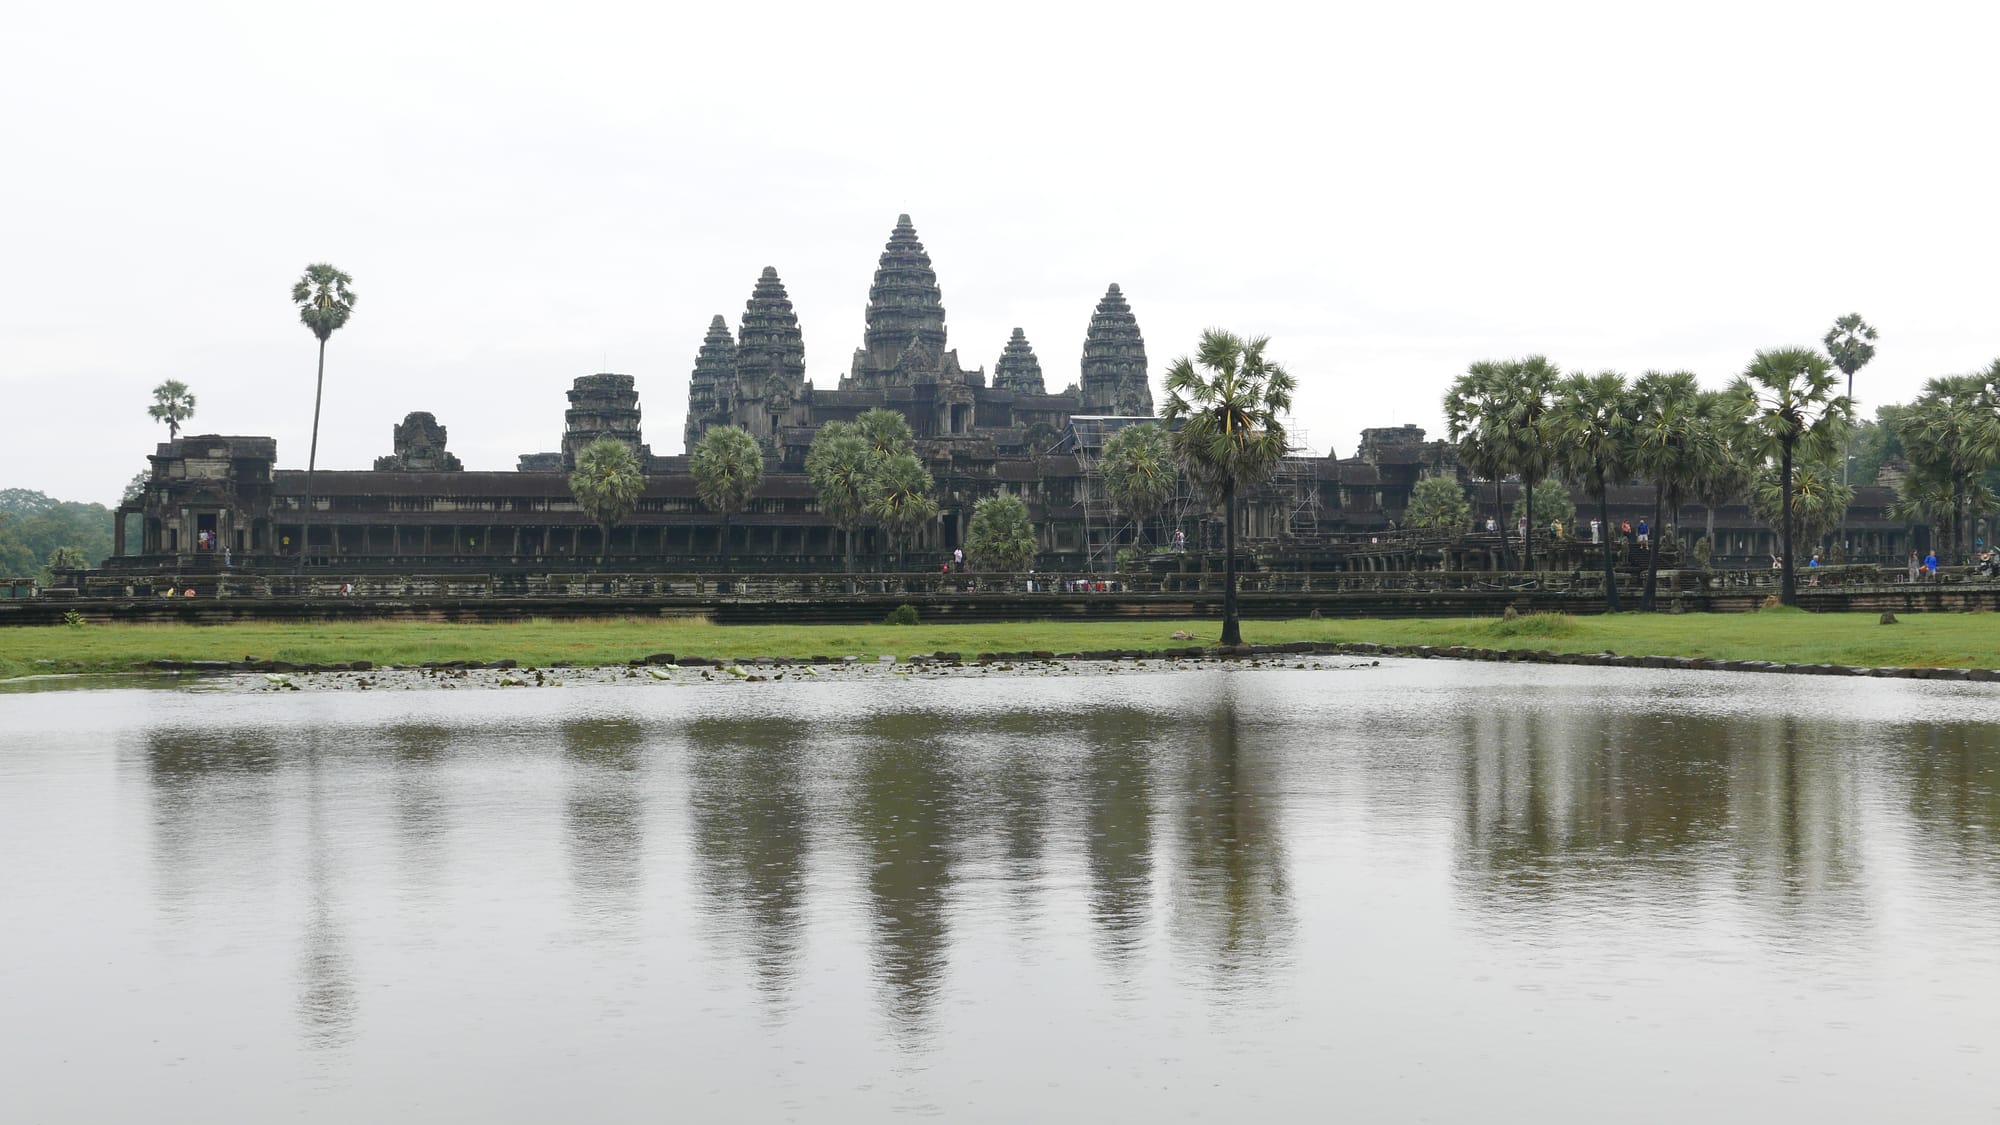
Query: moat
x: 1416, y: 890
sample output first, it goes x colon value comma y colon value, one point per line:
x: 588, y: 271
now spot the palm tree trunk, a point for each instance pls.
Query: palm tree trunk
x: 1500, y: 522
x: 1528, y: 535
x: 604, y: 547
x: 1788, y: 588
x: 1649, y: 599
x: 1232, y: 633
x: 1604, y: 542
x: 312, y: 459
x: 1709, y: 510
x: 725, y: 542
x: 1958, y: 520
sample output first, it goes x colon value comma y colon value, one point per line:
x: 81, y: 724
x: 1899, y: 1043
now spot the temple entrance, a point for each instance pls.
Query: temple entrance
x: 204, y: 532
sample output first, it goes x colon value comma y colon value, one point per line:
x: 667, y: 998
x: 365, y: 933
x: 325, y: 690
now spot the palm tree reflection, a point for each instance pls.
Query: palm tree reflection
x: 604, y: 816
x: 750, y: 808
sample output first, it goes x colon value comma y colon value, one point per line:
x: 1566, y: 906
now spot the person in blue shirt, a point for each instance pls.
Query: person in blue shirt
x: 1931, y: 563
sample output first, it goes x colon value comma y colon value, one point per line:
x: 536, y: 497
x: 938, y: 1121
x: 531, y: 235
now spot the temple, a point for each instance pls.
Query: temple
x: 216, y: 500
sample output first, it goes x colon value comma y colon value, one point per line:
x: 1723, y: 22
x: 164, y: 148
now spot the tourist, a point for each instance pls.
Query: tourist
x: 1644, y: 533
x: 1555, y: 529
x: 1492, y: 525
x: 1593, y: 531
x: 1625, y: 529
x: 1916, y: 565
x: 1180, y: 541
x: 958, y: 558
x: 1931, y: 562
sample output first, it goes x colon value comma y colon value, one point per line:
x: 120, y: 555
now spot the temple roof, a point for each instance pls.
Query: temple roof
x: 1018, y: 370
x: 905, y: 305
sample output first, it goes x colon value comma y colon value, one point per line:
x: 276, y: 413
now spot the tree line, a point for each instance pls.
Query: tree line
x: 1780, y: 436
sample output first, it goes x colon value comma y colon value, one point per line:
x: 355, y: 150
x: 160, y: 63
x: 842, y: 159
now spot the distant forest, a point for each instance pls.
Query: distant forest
x: 34, y: 526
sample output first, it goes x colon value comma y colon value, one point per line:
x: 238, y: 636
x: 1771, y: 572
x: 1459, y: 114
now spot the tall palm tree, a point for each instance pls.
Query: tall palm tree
x: 902, y: 499
x: 728, y: 469
x: 1670, y: 445
x: 607, y: 484
x: 1139, y: 471
x: 1952, y: 432
x: 1786, y: 407
x: 1592, y: 427
x: 1471, y: 413
x: 1724, y: 476
x: 173, y: 404
x: 1526, y: 425
x: 840, y: 469
x: 1850, y: 343
x: 1223, y: 406
x: 325, y: 299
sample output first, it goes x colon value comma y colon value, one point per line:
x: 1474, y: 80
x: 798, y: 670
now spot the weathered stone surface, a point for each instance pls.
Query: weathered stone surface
x: 604, y: 405
x: 1114, y: 360
x: 420, y: 447
x: 712, y: 385
x: 1018, y: 370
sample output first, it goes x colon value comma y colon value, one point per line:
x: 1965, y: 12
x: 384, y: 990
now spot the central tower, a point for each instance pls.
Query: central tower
x: 905, y: 340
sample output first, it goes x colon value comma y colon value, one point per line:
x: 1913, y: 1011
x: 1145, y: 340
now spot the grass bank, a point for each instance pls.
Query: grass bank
x: 1920, y: 640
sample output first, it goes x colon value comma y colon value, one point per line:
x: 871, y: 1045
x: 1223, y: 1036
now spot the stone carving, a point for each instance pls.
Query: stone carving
x: 1114, y: 360
x: 600, y: 406
x: 711, y: 388
x: 905, y: 339
x: 420, y: 447
x: 770, y: 363
x: 1018, y: 370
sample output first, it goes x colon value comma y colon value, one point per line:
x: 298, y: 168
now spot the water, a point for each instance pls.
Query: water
x: 1420, y: 891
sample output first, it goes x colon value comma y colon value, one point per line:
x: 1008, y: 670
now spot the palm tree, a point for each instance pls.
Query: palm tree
x: 1670, y: 445
x: 1437, y: 503
x: 728, y: 468
x: 840, y: 468
x: 1818, y: 499
x: 173, y: 404
x: 1850, y: 343
x: 1225, y: 402
x: 1530, y: 386
x: 1471, y: 410
x: 607, y: 484
x: 1001, y: 537
x: 1786, y: 406
x: 1724, y: 476
x: 902, y: 498
x: 325, y: 300
x: 1139, y: 471
x: 1952, y: 432
x: 1592, y: 427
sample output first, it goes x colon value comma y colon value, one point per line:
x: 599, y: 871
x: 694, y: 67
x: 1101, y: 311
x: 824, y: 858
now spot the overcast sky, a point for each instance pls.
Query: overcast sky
x: 528, y: 193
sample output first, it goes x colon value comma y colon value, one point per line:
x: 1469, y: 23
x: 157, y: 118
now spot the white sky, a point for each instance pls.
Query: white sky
x: 528, y: 193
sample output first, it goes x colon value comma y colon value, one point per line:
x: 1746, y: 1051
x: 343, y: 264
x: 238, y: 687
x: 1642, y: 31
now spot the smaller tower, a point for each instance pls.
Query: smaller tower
x: 1018, y: 370
x: 601, y: 406
x: 711, y: 386
x: 1114, y: 360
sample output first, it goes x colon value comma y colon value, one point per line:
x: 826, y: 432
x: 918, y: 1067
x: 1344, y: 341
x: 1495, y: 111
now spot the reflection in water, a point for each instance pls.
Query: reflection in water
x: 604, y: 814
x: 421, y: 802
x: 749, y: 806
x: 1118, y: 829
x: 1151, y: 854
x: 1589, y: 801
x: 906, y: 810
x: 1954, y: 787
x: 1232, y: 908
x: 326, y: 972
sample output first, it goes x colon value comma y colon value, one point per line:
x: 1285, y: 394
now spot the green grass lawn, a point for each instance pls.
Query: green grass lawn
x: 1937, y: 640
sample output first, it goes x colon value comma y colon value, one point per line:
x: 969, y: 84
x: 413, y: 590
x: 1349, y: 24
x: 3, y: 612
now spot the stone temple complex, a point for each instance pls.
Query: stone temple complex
x: 216, y: 500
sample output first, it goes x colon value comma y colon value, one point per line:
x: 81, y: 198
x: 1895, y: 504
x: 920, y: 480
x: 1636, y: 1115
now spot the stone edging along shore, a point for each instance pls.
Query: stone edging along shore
x: 1317, y: 648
